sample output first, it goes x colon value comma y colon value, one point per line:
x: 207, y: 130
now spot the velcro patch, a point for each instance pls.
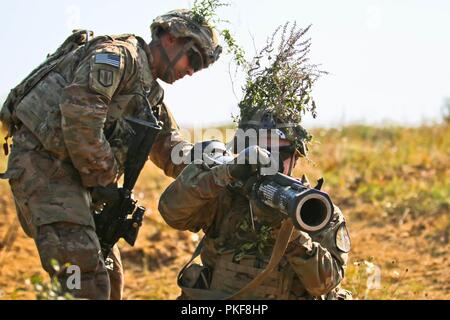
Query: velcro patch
x: 109, y: 59
x: 106, y: 78
x: 106, y: 70
x: 343, y: 242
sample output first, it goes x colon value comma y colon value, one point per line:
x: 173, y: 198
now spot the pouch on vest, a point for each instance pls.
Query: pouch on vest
x: 73, y: 42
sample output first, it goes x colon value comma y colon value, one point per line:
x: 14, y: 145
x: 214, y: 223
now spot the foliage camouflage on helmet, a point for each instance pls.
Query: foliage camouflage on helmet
x: 183, y: 23
x: 269, y: 120
x: 279, y: 84
x: 205, y: 10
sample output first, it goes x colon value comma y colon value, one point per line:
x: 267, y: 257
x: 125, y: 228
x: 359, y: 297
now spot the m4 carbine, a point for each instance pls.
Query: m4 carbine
x: 120, y: 216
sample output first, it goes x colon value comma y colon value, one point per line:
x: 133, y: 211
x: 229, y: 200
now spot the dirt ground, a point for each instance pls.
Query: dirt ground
x: 413, y: 257
x: 400, y: 242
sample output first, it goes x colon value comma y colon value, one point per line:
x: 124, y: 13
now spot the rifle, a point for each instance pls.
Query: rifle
x: 113, y: 222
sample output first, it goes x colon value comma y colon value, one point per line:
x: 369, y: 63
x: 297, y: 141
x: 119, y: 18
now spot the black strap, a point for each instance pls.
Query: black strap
x: 171, y: 63
x: 196, y: 253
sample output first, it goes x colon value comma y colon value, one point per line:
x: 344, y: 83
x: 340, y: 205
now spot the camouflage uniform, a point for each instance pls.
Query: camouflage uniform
x: 232, y: 253
x: 60, y: 151
x: 241, y: 233
x: 70, y: 135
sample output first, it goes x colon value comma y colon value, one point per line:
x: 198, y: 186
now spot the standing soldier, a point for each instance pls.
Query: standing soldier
x: 70, y: 136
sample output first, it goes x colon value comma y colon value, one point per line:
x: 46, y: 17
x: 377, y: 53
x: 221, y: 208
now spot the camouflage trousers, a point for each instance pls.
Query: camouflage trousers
x: 75, y: 245
x: 55, y: 210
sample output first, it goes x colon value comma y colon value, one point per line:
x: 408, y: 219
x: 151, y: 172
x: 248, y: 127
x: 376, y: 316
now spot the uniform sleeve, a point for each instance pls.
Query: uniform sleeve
x: 320, y: 263
x: 170, y: 149
x: 84, y: 107
x: 191, y: 201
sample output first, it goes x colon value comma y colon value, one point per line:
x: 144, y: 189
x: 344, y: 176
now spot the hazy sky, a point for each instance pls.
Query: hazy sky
x: 388, y: 60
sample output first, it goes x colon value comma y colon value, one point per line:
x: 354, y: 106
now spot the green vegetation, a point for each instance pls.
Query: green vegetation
x: 396, y: 170
x: 205, y: 12
x: 279, y: 80
x: 280, y: 77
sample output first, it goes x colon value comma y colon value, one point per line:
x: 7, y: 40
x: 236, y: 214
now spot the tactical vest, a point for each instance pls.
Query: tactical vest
x: 230, y: 280
x: 252, y: 276
x: 227, y: 278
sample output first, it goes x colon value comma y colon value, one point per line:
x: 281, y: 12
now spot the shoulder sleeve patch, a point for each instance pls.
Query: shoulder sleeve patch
x: 109, y: 59
x: 106, y: 73
x: 343, y: 242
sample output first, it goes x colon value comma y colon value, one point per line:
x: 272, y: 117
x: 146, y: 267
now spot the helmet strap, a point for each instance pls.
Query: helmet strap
x: 169, y: 74
x: 291, y: 166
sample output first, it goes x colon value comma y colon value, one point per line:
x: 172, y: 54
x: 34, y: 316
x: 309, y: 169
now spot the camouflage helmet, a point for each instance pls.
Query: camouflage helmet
x: 262, y: 118
x: 181, y: 23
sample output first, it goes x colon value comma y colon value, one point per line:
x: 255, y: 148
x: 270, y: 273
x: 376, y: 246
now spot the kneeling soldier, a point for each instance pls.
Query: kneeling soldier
x: 249, y: 251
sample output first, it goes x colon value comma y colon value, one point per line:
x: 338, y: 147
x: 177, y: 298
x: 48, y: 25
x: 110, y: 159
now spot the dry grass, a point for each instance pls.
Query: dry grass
x: 393, y: 185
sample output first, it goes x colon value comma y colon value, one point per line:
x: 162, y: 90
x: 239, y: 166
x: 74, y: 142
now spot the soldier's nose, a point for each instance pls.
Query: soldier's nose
x: 190, y: 72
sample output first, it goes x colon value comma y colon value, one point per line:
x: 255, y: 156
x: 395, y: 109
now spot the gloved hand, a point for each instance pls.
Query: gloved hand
x: 248, y: 162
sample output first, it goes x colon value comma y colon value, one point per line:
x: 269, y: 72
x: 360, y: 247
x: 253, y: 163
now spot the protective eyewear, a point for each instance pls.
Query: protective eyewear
x: 195, y: 59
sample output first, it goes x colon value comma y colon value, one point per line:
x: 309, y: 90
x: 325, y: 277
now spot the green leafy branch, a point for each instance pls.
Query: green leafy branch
x: 280, y: 80
x: 204, y: 11
x: 280, y: 77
